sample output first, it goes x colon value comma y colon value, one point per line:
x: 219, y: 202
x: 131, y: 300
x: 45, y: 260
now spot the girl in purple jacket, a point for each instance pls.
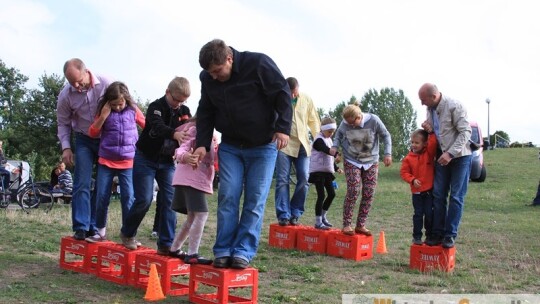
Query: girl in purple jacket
x: 115, y: 124
x: 192, y: 181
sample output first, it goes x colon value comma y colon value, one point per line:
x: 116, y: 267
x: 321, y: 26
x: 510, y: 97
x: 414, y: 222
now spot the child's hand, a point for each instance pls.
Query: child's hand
x: 427, y: 126
x: 337, y: 160
x: 106, y: 110
x: 340, y: 171
x: 417, y: 183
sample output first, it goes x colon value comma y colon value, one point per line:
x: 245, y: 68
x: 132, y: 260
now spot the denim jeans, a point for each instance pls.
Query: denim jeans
x: 454, y: 179
x: 423, y: 213
x: 250, y: 171
x: 293, y: 207
x: 4, y: 178
x: 144, y: 173
x: 105, y: 177
x: 83, y: 203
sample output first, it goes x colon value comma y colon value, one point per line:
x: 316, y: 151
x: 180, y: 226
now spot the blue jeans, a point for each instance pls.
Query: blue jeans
x: 423, y: 213
x: 83, y: 203
x: 4, y: 176
x: 285, y: 208
x: 250, y: 171
x: 144, y: 173
x: 454, y: 179
x: 105, y: 177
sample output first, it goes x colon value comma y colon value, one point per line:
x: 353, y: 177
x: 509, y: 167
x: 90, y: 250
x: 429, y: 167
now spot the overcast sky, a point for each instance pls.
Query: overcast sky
x: 472, y: 50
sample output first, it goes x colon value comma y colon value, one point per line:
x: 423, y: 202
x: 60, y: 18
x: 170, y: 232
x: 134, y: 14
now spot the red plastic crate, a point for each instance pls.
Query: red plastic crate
x: 222, y: 279
x: 428, y: 258
x: 282, y: 236
x: 169, y: 269
x: 79, y: 256
x: 354, y: 247
x: 312, y: 239
x: 116, y: 263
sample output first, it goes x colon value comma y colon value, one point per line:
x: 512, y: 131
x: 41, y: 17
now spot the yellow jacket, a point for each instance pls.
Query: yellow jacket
x: 304, y: 116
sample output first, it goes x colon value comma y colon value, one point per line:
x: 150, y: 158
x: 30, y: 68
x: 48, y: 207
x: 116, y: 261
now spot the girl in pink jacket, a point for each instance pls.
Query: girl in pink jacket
x: 192, y: 181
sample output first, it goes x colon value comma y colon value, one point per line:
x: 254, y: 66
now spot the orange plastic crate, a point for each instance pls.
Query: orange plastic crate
x: 354, y: 247
x: 428, y: 258
x: 283, y: 236
x: 168, y: 269
x: 312, y: 239
x: 116, y: 263
x: 223, y: 279
x: 79, y: 256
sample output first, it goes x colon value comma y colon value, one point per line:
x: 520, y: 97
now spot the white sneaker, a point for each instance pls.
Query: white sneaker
x: 154, y: 234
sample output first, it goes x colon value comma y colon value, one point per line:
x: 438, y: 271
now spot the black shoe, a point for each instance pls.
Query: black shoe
x: 239, y: 263
x: 433, y: 240
x: 197, y: 259
x: 448, y: 242
x: 223, y: 262
x: 283, y: 222
x: 179, y: 254
x: 90, y: 233
x: 533, y: 204
x: 293, y: 221
x: 80, y: 235
x: 164, y: 250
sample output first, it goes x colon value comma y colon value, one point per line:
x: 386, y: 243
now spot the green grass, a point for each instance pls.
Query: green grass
x: 498, y: 248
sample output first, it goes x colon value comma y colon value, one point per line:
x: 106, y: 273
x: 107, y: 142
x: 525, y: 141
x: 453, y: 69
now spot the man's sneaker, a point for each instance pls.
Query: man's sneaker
x: 417, y: 241
x: 96, y: 238
x: 91, y: 233
x: 239, y: 263
x: 283, y: 222
x: 433, y: 240
x: 321, y: 226
x: 128, y: 242
x: 326, y: 222
x: 293, y: 221
x: 164, y: 250
x: 222, y: 262
x: 448, y: 242
x: 197, y: 259
x: 79, y: 235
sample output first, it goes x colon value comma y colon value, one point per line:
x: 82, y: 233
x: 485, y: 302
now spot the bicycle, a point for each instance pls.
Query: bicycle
x: 23, y: 191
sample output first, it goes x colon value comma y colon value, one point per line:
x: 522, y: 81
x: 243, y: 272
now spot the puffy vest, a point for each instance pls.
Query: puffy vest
x: 320, y: 161
x: 119, y: 135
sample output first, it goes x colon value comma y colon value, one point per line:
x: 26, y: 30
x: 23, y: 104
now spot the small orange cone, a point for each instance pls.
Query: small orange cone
x: 381, y: 244
x: 153, y: 290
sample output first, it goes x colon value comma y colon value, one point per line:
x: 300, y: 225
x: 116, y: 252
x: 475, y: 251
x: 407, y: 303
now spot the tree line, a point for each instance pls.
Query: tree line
x: 28, y: 118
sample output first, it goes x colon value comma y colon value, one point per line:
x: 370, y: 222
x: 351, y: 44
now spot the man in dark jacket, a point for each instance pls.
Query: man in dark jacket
x: 246, y: 98
x: 154, y: 160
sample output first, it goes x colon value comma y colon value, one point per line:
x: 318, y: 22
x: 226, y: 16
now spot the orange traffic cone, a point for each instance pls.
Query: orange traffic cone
x: 381, y: 244
x: 153, y: 290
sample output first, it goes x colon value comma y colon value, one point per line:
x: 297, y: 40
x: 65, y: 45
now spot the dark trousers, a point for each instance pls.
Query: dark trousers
x: 423, y: 213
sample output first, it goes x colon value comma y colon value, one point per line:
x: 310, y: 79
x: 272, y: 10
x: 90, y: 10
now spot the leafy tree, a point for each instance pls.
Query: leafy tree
x: 29, y: 127
x: 396, y: 112
x: 12, y: 91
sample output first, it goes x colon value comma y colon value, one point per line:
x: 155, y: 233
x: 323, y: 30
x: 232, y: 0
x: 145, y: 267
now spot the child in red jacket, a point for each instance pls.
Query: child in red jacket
x: 417, y: 169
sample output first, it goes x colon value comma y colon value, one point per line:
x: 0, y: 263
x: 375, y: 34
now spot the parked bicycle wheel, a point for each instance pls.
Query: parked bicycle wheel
x: 31, y: 197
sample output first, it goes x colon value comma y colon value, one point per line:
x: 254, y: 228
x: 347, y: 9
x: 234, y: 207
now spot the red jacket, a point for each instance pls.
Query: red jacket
x: 420, y: 166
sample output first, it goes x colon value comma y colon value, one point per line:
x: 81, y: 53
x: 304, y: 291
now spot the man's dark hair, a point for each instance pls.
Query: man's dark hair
x: 293, y: 83
x: 214, y: 52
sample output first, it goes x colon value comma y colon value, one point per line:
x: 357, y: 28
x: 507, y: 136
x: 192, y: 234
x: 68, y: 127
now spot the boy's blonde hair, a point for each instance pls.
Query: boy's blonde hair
x: 351, y: 111
x: 180, y: 85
